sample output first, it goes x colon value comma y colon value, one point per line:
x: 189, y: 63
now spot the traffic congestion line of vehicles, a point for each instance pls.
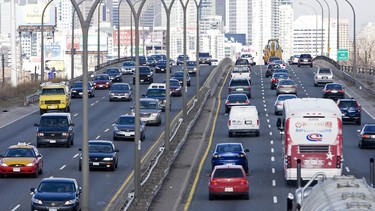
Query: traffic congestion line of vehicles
x: 56, y: 128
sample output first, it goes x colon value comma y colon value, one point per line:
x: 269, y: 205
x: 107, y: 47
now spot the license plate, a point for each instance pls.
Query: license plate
x: 248, y: 122
x: 16, y: 169
x: 228, y: 189
x: 142, y: 80
x: 239, y: 89
x: 52, y: 209
x: 372, y: 136
x: 325, y: 77
x: 95, y: 164
x: 313, y: 162
x: 52, y: 141
x: 100, y: 85
x: 127, y: 134
x: 52, y: 107
x: 334, y: 91
x: 80, y: 93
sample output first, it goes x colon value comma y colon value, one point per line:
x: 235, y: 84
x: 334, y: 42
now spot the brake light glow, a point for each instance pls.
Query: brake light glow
x: 243, y: 182
x: 213, y: 182
x: 281, y: 86
x: 227, y: 102
x: 327, y: 90
x: 366, y: 136
x: 342, y: 91
x: 249, y: 87
x: 294, y: 87
x: 258, y: 123
x: 289, y: 161
x: 229, y: 122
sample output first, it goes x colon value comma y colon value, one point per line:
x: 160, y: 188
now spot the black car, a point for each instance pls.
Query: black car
x: 114, y: 74
x: 204, y: 58
x: 271, y: 68
x: 151, y: 61
x: 55, y: 193
x: 179, y: 75
x: 145, y: 75
x: 180, y: 59
x: 161, y: 66
x: 367, y: 136
x: 55, y: 129
x: 350, y: 109
x: 305, y: 59
x: 120, y: 91
x: 124, y: 128
x: 76, y: 89
x: 236, y: 100
x: 159, y: 57
x: 175, y: 87
x: 102, y: 155
x: 334, y: 91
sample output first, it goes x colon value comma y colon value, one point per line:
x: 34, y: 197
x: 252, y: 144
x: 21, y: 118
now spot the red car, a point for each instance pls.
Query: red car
x: 102, y: 81
x: 21, y: 159
x: 227, y: 180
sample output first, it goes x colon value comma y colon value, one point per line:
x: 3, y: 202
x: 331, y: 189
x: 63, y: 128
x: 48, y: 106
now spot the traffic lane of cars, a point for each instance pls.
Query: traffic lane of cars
x: 68, y: 158
x: 260, y: 155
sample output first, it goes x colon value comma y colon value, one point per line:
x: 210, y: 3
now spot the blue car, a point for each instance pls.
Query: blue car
x: 230, y: 153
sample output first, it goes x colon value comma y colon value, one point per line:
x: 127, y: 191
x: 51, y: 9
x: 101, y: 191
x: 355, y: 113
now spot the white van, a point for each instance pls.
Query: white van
x: 157, y: 86
x: 243, y: 119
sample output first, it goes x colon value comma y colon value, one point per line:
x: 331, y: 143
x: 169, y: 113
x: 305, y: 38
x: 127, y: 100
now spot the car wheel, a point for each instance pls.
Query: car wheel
x: 315, y: 84
x: 311, y: 65
x: 257, y: 133
x: 360, y: 145
x: 299, y: 65
x: 358, y: 122
x: 68, y: 144
x: 246, y: 196
x: 114, y: 138
x: 35, y: 175
x: 133, y: 81
x: 276, y: 113
x: 151, y: 80
x: 38, y: 145
x: 188, y: 84
x: 226, y: 110
x: 113, y: 167
x: 159, y: 123
x: 230, y: 134
x: 211, y: 196
x: 110, y: 100
x: 72, y: 142
x: 80, y: 167
x: 41, y: 170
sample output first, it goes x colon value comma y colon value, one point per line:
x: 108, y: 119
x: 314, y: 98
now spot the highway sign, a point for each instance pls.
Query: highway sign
x: 342, y: 55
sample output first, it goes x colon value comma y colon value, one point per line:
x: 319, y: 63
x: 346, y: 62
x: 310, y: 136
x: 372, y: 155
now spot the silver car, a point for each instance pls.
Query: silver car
x: 323, y: 76
x: 279, y: 102
x: 120, y: 91
x: 286, y: 86
x: 128, y: 68
x: 150, y: 111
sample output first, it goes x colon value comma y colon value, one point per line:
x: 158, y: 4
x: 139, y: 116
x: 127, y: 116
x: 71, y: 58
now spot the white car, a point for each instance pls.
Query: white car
x: 241, y: 71
x: 214, y: 62
x: 323, y: 76
x: 281, y: 63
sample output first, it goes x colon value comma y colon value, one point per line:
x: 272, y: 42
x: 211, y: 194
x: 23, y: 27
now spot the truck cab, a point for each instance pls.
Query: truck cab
x: 54, y: 96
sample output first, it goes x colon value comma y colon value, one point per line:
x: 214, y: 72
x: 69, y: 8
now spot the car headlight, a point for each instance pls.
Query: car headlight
x: 62, y: 101
x: 69, y: 202
x: 64, y: 134
x: 216, y: 156
x: 74, y: 91
x: 36, y: 201
x: 195, y: 68
x: 30, y: 164
x: 154, y: 114
x: 40, y: 134
x: 107, y: 83
x: 107, y: 159
x: 148, y: 75
x: 115, y: 128
x: 112, y: 93
x: 164, y: 101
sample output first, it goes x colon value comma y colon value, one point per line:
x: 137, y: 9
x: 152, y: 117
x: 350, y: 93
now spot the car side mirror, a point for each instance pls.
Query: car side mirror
x: 72, y: 124
x: 247, y: 150
x: 32, y: 190
x: 79, y: 149
x: 143, y: 95
x: 116, y: 150
x: 358, y: 131
x: 36, y: 125
x: 131, y: 107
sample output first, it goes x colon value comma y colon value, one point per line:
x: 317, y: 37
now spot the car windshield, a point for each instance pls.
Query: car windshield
x: 287, y: 82
x: 204, y: 55
x: 325, y: 71
x: 285, y: 97
x: 54, y: 121
x: 223, y: 148
x: 237, y: 69
x: 104, y: 148
x: 246, y: 56
x: 243, y: 82
x: 242, y: 62
x: 148, y: 105
x: 278, y: 62
x: 102, y: 77
x: 178, y: 74
x: 19, y: 152
x: 347, y: 104
x: 80, y: 84
x: 228, y: 173
x: 305, y: 56
x: 113, y: 71
x: 237, y: 97
x: 146, y: 70
x: 162, y: 62
x: 191, y: 63
x: 120, y: 87
x: 369, y: 129
x: 281, y: 75
x: 155, y: 92
x: 56, y: 187
x: 281, y: 70
x: 126, y: 121
x: 53, y: 91
x: 130, y: 63
x: 334, y: 86
x: 174, y: 83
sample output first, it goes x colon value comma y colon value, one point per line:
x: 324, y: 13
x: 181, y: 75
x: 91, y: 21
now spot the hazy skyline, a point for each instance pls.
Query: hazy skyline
x: 364, y: 11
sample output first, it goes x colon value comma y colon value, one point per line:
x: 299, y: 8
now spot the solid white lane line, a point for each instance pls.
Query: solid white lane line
x: 97, y: 137
x: 62, y: 167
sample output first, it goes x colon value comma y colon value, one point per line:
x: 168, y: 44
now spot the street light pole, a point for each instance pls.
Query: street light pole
x: 167, y: 84
x: 329, y: 29
x: 118, y: 28
x: 72, y: 50
x: 322, y: 44
x: 184, y: 92
x: 98, y: 53
x: 137, y: 141
x: 85, y: 25
x: 42, y: 45
x: 197, y: 85
x: 337, y: 28
x: 354, y: 40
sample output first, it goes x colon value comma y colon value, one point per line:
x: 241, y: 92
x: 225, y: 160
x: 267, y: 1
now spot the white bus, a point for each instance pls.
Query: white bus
x: 313, y: 134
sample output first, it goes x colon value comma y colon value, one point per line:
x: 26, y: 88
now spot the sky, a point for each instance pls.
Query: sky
x: 364, y: 10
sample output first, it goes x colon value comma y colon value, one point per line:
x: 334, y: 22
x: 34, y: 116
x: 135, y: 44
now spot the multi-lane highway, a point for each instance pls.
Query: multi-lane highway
x: 268, y: 189
x: 63, y: 162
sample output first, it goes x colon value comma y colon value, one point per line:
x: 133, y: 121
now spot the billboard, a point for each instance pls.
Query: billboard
x: 92, y: 42
x: 52, y: 51
x: 124, y: 37
x: 31, y: 14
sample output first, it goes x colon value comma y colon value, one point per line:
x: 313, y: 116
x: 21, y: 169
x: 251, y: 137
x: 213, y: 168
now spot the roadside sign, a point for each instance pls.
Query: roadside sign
x: 342, y: 55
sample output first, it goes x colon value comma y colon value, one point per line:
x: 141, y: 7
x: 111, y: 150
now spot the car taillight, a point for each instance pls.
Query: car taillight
x: 366, y: 136
x: 289, y: 161
x: 281, y: 86
x: 294, y: 87
x: 342, y: 91
x: 338, y: 162
x: 273, y: 80
x: 258, y: 123
x: 213, y: 182
x: 327, y: 90
x: 229, y: 122
x: 243, y: 182
x: 249, y: 88
x: 358, y: 108
x: 228, y: 88
x: 279, y: 103
x: 227, y: 102
x: 247, y: 102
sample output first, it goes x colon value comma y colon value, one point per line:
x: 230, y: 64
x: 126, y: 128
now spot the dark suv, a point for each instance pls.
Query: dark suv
x: 305, y: 59
x: 204, y: 58
x: 240, y: 85
x: 350, y: 109
x: 180, y: 59
x: 145, y: 75
x: 55, y: 129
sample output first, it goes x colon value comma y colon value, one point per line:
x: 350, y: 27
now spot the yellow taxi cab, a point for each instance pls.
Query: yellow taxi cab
x: 21, y: 158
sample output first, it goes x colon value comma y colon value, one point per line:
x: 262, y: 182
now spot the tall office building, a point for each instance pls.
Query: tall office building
x: 238, y: 18
x: 221, y: 10
x: 286, y: 29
